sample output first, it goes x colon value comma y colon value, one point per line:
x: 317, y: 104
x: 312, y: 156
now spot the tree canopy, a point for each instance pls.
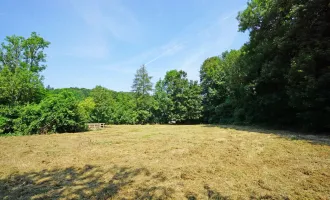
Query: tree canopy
x: 181, y: 96
x: 280, y: 78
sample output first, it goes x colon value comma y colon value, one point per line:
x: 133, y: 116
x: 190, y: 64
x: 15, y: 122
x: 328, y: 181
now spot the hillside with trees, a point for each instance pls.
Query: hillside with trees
x: 279, y: 78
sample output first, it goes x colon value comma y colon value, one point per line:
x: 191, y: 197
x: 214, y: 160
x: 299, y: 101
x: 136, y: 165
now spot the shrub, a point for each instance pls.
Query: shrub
x: 57, y: 114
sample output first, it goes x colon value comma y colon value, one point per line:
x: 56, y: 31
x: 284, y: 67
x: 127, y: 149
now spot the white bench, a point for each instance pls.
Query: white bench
x: 95, y: 126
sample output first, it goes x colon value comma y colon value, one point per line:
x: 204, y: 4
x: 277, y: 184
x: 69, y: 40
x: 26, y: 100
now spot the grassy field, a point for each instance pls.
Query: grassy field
x: 166, y: 162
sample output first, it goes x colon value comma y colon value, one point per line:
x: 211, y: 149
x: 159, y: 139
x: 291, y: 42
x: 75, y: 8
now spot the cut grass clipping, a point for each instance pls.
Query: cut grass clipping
x: 166, y: 162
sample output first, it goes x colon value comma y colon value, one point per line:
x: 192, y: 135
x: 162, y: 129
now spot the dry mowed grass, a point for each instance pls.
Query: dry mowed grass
x: 165, y: 162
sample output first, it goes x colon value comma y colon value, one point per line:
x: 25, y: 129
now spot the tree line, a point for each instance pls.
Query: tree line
x: 279, y: 78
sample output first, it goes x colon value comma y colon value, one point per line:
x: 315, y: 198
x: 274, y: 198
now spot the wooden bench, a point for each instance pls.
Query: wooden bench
x: 95, y: 126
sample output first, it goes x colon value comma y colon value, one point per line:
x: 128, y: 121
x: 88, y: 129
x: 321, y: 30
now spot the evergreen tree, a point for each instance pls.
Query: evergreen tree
x: 142, y: 87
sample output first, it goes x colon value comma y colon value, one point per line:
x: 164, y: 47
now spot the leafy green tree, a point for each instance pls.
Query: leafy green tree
x: 103, y: 111
x: 281, y: 76
x: 176, y: 84
x: 21, y: 60
x: 18, y: 51
x: 183, y: 99
x: 20, y: 86
x: 162, y: 104
x: 209, y: 78
x: 220, y: 81
x: 287, y: 62
x: 125, y: 108
x: 194, y: 102
x: 85, y: 108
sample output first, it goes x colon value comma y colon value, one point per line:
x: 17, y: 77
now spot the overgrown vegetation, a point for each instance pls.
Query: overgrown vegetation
x: 280, y: 77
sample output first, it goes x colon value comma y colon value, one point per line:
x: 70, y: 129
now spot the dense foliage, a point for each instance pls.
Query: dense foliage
x: 280, y: 77
x: 25, y: 105
x: 57, y: 114
x: 178, y: 99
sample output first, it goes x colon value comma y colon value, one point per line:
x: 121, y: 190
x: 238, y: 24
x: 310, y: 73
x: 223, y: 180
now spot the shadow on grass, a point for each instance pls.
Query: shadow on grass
x: 89, y: 182
x: 322, y: 139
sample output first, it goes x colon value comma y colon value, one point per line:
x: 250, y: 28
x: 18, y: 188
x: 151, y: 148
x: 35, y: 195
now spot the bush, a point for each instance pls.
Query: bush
x: 56, y: 114
x: 7, y: 116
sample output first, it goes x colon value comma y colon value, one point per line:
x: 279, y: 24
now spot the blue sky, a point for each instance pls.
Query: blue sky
x: 103, y: 42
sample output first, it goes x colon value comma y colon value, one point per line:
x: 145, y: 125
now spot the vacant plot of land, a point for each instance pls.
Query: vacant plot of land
x: 165, y: 162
